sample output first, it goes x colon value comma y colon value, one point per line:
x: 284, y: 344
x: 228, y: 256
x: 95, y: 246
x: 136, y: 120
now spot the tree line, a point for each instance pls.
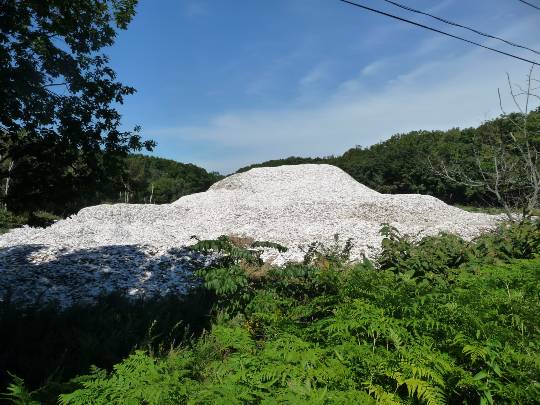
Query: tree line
x: 404, y: 163
x: 137, y: 179
x: 424, y: 161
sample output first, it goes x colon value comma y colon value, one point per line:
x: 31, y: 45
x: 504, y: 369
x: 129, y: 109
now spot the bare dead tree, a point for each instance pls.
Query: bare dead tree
x: 506, y: 161
x: 8, y: 179
x: 127, y: 191
x: 152, y: 193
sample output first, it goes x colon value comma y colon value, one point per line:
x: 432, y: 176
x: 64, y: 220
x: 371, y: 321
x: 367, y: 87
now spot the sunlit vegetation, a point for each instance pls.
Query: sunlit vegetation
x: 437, y: 321
x: 157, y: 180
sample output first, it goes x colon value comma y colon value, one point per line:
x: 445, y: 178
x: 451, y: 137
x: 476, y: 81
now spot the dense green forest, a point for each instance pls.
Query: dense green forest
x: 141, y: 180
x: 157, y: 180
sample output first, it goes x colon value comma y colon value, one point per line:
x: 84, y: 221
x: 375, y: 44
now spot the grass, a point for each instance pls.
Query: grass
x: 9, y: 220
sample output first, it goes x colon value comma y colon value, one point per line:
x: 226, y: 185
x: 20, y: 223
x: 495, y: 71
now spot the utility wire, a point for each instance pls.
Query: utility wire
x: 529, y: 4
x: 461, y: 26
x: 439, y: 31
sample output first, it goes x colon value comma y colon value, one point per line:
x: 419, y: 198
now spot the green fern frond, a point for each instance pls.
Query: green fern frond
x: 17, y: 393
x: 382, y: 396
x: 272, y: 245
x: 424, y: 391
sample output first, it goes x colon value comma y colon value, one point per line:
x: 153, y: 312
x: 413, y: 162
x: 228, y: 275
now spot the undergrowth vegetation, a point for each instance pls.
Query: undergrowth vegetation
x: 48, y: 345
x: 431, y: 322
x: 9, y: 220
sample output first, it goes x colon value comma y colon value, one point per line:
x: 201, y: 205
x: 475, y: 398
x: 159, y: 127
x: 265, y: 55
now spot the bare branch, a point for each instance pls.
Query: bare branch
x: 516, y: 103
x: 507, y: 163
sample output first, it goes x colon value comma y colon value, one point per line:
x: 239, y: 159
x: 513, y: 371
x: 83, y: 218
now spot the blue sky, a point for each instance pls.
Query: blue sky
x: 225, y: 83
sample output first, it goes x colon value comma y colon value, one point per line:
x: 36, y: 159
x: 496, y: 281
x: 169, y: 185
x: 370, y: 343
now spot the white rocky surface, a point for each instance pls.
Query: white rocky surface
x: 137, y: 249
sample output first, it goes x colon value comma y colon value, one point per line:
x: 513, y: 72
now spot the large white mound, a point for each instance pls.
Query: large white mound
x: 131, y: 248
x: 307, y: 180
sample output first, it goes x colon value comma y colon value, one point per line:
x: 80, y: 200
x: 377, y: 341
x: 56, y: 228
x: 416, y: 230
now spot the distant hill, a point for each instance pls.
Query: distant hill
x: 292, y: 160
x: 158, y: 180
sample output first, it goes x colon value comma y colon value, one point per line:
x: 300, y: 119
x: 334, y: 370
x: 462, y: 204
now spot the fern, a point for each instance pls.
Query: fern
x: 422, y: 389
x: 137, y: 379
x: 266, y: 244
x: 431, y: 323
x: 18, y: 394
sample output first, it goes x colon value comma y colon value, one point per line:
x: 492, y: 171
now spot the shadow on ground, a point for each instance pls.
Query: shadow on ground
x: 78, y: 310
x: 38, y: 274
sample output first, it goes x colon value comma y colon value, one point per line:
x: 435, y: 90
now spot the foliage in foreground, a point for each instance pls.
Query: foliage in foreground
x: 9, y: 220
x: 463, y: 330
x: 47, y: 345
x: 351, y: 336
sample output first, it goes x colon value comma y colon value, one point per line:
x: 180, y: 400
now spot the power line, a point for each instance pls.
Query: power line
x: 439, y: 31
x: 460, y: 26
x: 529, y: 4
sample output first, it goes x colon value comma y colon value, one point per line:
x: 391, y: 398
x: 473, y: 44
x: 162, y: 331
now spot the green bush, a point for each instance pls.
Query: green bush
x: 42, y: 219
x: 510, y: 241
x: 9, y: 220
x: 437, y: 255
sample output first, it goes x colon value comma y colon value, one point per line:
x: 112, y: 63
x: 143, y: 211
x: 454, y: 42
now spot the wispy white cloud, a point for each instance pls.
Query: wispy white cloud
x: 436, y: 94
x: 373, y: 67
x: 315, y: 75
x: 266, y: 79
x: 196, y: 8
x: 389, y: 30
x: 440, y: 6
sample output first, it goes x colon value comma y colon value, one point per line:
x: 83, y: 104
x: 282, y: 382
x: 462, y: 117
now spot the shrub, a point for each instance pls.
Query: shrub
x: 437, y: 255
x: 326, y: 256
x: 42, y: 219
x: 432, y: 255
x: 235, y: 250
x: 9, y: 220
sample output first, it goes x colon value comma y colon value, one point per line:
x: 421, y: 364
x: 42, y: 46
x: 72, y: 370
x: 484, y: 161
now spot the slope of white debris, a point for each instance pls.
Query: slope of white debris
x: 136, y: 249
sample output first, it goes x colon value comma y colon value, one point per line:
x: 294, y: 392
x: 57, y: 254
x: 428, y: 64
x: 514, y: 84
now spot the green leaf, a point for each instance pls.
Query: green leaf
x: 480, y: 375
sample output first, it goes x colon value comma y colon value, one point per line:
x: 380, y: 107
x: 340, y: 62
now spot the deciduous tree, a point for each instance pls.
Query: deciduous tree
x: 60, y: 129
x: 507, y: 156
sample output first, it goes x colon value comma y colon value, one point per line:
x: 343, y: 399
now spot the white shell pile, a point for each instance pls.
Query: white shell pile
x: 136, y: 249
